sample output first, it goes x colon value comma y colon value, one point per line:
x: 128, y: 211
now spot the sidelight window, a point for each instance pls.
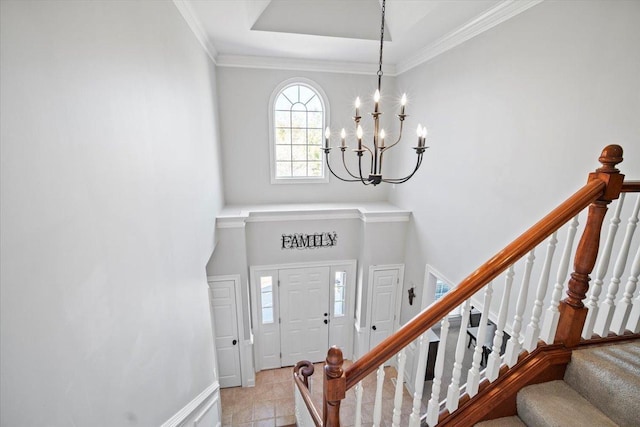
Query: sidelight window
x: 339, y: 302
x: 266, y: 299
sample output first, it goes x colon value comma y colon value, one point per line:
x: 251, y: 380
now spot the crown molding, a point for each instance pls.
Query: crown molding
x: 297, y: 64
x: 196, y: 27
x: 494, y: 16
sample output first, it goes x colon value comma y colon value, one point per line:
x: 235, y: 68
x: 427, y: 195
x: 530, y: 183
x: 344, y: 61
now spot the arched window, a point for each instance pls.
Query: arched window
x: 298, y: 112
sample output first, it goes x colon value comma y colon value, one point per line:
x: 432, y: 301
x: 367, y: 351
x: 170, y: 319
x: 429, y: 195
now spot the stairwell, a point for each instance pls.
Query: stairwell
x: 601, y: 387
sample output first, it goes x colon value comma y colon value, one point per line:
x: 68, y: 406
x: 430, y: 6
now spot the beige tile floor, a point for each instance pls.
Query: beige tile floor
x: 270, y: 402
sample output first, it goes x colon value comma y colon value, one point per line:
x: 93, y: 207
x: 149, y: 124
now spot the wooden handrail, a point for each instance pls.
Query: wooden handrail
x: 631, y: 187
x: 305, y: 368
x: 475, y: 281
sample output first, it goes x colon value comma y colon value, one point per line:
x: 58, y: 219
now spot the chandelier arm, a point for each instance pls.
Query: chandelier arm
x: 406, y: 178
x: 344, y: 162
x: 398, y: 140
x: 335, y: 174
x: 360, y: 169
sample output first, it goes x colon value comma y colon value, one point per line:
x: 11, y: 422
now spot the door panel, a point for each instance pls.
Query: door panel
x: 304, y: 313
x: 385, y: 283
x: 225, y: 322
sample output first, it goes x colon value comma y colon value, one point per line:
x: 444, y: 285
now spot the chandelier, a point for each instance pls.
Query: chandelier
x: 378, y: 149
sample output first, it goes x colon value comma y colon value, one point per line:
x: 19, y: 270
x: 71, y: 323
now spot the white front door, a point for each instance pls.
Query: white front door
x: 225, y: 321
x: 304, y: 314
x: 383, y: 306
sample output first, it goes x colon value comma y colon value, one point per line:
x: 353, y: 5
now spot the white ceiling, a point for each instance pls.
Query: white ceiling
x: 339, y: 35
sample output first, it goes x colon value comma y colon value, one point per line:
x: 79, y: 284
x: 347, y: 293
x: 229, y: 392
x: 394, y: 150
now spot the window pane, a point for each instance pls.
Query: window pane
x: 282, y: 103
x: 315, y: 153
x: 299, y: 136
x: 299, y: 153
x: 267, y: 299
x: 306, y: 94
x: 267, y: 315
x: 315, y: 120
x: 265, y: 284
x: 283, y: 136
x: 283, y: 152
x: 315, y: 169
x: 340, y: 278
x: 283, y: 169
x: 291, y: 93
x: 314, y: 104
x: 299, y: 107
x: 300, y: 169
x: 299, y: 119
x: 338, y: 309
x: 283, y: 119
x: 339, y: 293
x: 315, y: 136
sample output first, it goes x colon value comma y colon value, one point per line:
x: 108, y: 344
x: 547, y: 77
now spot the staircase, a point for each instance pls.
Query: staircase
x: 600, y: 388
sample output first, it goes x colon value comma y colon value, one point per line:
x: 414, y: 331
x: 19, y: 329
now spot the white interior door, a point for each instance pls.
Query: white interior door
x: 225, y: 321
x: 383, y: 304
x: 304, y: 314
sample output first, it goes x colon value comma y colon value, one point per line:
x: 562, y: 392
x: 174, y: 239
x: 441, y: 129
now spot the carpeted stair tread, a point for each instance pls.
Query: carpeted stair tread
x: 502, y: 422
x: 556, y: 404
x: 609, y: 377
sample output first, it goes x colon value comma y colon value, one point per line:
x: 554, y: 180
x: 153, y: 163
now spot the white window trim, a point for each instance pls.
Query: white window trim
x: 272, y: 143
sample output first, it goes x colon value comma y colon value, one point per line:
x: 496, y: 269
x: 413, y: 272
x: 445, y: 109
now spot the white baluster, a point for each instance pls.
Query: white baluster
x: 634, y: 318
x: 377, y: 406
x: 453, y: 393
x: 603, y: 266
x: 493, y: 364
x: 397, y: 401
x: 433, y: 409
x: 513, y: 345
x: 423, y: 345
x: 550, y: 324
x: 533, y: 329
x: 473, y: 377
x: 603, y: 322
x: 358, y: 419
x: 621, y: 317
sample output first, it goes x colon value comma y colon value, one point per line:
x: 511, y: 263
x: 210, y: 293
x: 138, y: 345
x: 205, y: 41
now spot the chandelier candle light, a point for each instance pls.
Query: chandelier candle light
x: 379, y: 148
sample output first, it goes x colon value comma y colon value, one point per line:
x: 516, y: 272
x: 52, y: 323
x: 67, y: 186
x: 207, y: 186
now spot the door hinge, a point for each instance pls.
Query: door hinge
x: 278, y: 282
x: 280, y: 355
x: 279, y: 320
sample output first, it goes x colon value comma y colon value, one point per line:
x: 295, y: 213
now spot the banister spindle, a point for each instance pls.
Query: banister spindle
x: 573, y: 313
x: 473, y: 377
x: 634, y: 317
x: 603, y: 322
x: 513, y: 345
x: 397, y: 399
x: 552, y: 316
x: 433, y: 408
x: 358, y: 417
x: 533, y: 329
x: 453, y: 393
x: 603, y: 266
x: 621, y: 317
x: 493, y: 364
x: 377, y: 406
x: 334, y: 387
x: 423, y: 344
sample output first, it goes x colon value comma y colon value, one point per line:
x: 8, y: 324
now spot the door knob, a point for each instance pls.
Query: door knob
x: 234, y: 342
x: 374, y: 327
x: 326, y: 321
x: 326, y: 314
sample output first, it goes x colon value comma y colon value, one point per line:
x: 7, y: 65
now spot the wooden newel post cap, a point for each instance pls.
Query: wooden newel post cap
x: 610, y: 157
x: 608, y: 173
x: 334, y: 361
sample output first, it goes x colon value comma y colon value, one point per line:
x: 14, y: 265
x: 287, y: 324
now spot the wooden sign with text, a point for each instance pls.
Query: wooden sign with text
x: 309, y: 241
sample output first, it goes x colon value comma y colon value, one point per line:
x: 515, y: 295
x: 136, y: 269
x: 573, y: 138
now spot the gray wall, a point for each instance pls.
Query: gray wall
x: 518, y: 117
x: 110, y: 186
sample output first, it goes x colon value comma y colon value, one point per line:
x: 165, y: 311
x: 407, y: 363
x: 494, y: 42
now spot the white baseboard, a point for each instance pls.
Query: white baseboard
x: 190, y: 410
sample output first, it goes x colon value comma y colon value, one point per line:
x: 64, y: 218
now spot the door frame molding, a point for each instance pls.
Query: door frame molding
x: 244, y: 376
x: 350, y: 265
x: 372, y: 270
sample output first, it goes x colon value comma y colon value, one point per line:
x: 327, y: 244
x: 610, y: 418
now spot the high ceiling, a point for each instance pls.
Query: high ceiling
x: 343, y: 35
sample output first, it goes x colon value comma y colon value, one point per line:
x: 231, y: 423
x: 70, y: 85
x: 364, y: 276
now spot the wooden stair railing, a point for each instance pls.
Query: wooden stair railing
x: 603, y: 186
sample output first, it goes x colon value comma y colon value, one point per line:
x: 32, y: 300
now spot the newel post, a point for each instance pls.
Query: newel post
x: 335, y: 386
x: 572, y: 311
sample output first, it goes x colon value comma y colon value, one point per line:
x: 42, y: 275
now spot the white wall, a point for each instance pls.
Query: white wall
x: 110, y: 186
x: 244, y: 106
x: 517, y: 117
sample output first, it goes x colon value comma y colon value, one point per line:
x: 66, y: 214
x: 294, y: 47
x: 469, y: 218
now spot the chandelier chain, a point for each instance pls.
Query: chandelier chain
x: 381, y: 44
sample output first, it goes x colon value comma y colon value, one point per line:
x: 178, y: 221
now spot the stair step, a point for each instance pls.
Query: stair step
x: 556, y: 404
x: 502, y: 422
x: 609, y: 378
